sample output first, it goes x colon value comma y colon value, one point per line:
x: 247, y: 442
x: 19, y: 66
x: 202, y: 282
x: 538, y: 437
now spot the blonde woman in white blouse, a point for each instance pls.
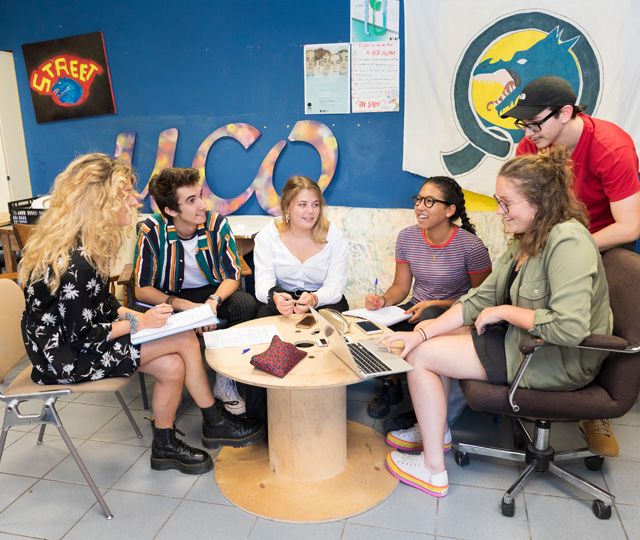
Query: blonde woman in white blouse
x: 300, y: 258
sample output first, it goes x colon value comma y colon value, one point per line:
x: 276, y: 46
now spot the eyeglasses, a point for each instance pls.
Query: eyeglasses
x: 427, y: 201
x: 537, y: 125
x: 504, y: 206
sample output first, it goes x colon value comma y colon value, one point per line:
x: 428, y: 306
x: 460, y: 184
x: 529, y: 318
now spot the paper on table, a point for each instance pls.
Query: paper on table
x: 178, y: 322
x: 385, y: 316
x: 239, y: 337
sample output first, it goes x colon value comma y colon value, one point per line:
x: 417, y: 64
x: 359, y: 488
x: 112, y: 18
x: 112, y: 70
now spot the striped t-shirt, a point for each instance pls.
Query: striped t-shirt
x: 442, y: 271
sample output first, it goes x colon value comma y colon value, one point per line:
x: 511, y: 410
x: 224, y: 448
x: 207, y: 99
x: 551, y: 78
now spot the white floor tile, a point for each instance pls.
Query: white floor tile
x: 474, y: 513
x: 628, y: 441
x: 622, y: 478
x: 119, y: 430
x: 142, y: 479
x: 106, y: 463
x: 27, y: 458
x: 135, y: 516
x: 406, y: 509
x: 196, y: 520
x: 569, y: 519
x: 362, y: 532
x: 482, y: 472
x: 273, y: 530
x: 630, y: 517
x: 59, y: 506
x: 206, y: 490
x: 83, y: 420
x: 12, y: 487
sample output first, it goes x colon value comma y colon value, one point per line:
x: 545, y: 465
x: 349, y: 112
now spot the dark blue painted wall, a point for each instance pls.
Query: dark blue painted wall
x: 197, y: 65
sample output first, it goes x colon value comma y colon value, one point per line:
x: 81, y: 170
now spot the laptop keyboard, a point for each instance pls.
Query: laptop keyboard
x: 366, y: 360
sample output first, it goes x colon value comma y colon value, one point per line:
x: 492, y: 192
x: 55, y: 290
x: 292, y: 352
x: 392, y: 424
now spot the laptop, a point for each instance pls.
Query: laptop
x: 366, y: 358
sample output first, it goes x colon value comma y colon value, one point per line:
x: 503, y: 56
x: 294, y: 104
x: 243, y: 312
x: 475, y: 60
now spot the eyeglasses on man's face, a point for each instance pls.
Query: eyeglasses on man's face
x: 428, y: 201
x: 504, y: 206
x: 536, y: 125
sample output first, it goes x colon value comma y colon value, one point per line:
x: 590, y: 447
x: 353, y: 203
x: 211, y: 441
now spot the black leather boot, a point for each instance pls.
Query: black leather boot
x: 169, y: 452
x: 390, y: 394
x: 220, y: 427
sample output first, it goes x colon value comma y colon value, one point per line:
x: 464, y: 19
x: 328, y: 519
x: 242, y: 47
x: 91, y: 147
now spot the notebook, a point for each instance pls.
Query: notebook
x: 386, y: 316
x: 178, y: 322
x: 366, y: 358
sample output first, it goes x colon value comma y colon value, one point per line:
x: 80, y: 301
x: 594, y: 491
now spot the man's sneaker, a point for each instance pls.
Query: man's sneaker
x: 221, y: 428
x: 390, y: 394
x: 410, y: 470
x: 410, y: 440
x: 599, y: 436
x: 225, y: 390
x: 403, y: 420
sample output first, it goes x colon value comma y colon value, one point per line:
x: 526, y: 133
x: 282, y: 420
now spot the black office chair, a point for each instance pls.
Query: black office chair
x: 613, y: 392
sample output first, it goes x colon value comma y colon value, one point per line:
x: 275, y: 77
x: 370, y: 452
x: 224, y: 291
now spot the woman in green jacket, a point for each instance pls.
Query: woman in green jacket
x: 549, y: 283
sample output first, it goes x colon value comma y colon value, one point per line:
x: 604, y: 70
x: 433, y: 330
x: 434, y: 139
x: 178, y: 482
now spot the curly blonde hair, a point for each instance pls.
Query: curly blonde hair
x: 85, y: 201
x: 545, y: 179
x: 295, y: 185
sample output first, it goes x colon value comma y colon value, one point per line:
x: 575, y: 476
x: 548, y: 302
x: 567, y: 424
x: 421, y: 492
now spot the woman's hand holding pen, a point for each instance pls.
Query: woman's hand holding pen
x: 154, y: 317
x: 284, y: 303
x: 374, y: 301
x: 306, y: 301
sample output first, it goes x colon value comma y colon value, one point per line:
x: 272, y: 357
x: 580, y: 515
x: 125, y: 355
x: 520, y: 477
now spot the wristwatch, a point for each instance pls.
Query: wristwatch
x: 217, y: 298
x: 133, y: 321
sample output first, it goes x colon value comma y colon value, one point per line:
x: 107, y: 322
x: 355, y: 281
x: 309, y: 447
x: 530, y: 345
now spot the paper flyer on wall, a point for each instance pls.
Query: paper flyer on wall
x: 375, y: 20
x: 326, y: 78
x: 375, y: 76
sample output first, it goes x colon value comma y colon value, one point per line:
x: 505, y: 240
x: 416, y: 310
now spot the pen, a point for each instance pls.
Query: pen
x: 142, y: 304
x: 375, y: 287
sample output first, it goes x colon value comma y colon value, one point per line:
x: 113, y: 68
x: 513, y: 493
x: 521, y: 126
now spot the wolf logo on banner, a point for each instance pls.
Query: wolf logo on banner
x: 499, y: 63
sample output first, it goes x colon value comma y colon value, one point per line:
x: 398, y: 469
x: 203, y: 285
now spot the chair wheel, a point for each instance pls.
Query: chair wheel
x: 508, y: 509
x: 600, y: 509
x: 462, y: 458
x: 593, y: 463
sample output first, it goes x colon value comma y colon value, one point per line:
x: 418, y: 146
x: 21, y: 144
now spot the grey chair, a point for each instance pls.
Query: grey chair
x: 613, y: 392
x: 22, y: 388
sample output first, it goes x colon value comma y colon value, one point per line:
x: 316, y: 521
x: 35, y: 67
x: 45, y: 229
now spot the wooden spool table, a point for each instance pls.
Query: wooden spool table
x: 317, y: 466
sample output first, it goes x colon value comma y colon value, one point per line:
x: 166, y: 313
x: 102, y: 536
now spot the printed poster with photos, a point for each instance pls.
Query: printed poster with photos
x: 326, y: 78
x: 69, y: 77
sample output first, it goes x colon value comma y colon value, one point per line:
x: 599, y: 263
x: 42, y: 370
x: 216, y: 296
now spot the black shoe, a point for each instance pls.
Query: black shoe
x: 404, y: 420
x: 169, y: 452
x: 220, y: 427
x: 390, y: 394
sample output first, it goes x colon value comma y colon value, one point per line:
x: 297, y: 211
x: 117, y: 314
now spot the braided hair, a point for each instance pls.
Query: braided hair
x: 452, y: 193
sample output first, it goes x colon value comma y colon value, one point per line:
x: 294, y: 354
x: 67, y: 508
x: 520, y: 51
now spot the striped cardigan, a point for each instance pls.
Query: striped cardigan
x: 159, y: 256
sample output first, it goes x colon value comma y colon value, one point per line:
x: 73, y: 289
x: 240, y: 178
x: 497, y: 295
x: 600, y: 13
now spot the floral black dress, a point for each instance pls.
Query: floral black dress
x: 66, y: 333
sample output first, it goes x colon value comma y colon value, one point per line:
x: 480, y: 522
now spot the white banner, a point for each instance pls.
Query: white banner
x: 466, y: 62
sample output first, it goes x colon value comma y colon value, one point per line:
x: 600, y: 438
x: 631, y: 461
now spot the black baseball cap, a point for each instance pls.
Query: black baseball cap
x: 544, y: 92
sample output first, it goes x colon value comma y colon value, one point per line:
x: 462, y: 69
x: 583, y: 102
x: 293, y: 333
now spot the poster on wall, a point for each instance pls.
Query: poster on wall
x: 326, y: 78
x: 69, y: 77
x: 375, y: 20
x: 375, y: 76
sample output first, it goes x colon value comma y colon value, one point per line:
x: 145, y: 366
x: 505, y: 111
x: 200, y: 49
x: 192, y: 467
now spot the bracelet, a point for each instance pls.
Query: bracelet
x: 170, y: 300
x: 384, y: 300
x: 424, y: 336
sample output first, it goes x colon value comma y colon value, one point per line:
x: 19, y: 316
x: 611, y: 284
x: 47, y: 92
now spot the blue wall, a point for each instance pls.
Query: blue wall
x: 197, y: 65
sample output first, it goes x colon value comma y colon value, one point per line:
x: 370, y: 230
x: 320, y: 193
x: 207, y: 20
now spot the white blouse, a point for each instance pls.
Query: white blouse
x: 325, y: 272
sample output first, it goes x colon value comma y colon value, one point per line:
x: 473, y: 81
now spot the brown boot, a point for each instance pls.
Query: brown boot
x: 599, y: 436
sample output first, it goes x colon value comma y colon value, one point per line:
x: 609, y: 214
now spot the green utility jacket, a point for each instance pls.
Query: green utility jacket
x: 566, y: 286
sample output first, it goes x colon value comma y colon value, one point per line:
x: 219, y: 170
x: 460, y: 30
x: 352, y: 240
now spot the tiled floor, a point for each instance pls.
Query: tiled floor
x: 43, y: 495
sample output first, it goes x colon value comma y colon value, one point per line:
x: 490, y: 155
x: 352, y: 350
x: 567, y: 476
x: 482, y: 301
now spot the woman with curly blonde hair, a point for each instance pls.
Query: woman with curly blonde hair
x: 76, y: 331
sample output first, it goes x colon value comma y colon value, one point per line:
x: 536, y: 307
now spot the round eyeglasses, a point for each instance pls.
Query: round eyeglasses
x: 504, y: 206
x: 427, y: 201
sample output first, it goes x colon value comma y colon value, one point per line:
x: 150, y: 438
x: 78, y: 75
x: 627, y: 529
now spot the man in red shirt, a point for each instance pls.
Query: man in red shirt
x: 605, y: 165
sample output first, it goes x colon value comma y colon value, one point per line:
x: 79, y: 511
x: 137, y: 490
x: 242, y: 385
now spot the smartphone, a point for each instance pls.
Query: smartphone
x: 321, y: 342
x: 307, y: 322
x: 369, y: 328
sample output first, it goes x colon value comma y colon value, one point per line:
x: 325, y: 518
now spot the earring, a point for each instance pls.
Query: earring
x: 286, y: 218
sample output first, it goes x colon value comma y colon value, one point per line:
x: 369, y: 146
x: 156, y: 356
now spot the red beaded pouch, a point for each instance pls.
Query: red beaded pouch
x: 279, y: 358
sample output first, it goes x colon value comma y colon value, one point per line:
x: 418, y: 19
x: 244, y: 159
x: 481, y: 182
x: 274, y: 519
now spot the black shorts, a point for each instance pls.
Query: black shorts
x: 490, y: 350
